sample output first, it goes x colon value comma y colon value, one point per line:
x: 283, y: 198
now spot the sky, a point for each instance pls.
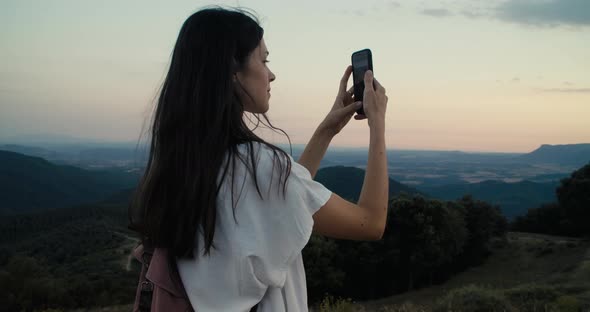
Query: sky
x: 469, y: 75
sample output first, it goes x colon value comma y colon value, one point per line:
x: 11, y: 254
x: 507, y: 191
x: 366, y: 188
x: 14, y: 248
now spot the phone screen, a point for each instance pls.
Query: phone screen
x: 361, y: 62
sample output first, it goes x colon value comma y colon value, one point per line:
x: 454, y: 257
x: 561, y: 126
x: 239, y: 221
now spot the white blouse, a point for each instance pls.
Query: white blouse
x: 259, y: 258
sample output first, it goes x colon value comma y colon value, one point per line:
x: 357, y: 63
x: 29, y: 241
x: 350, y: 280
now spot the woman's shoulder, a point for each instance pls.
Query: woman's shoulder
x: 264, y: 153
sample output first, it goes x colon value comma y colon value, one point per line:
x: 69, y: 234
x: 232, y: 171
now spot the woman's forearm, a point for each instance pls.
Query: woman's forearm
x: 315, y: 150
x: 375, y: 192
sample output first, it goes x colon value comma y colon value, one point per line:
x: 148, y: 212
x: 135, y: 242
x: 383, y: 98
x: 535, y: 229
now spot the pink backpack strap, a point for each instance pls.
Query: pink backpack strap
x: 157, y: 291
x: 143, y: 294
x: 159, y: 273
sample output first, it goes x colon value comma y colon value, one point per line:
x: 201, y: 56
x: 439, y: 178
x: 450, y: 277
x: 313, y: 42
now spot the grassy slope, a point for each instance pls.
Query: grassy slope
x: 527, y: 259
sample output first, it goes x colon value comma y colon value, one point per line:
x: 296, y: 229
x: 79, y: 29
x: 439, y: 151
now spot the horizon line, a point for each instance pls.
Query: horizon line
x: 78, y: 141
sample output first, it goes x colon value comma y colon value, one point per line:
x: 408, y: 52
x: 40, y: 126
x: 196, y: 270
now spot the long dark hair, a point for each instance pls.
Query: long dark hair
x: 198, y: 122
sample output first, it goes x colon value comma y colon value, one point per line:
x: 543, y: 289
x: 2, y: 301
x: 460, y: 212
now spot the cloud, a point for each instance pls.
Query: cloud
x: 376, y: 8
x: 437, y: 12
x: 473, y: 14
x: 566, y: 90
x: 545, y: 12
x: 394, y: 4
x: 359, y: 12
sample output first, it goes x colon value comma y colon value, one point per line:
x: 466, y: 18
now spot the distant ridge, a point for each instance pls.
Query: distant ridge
x: 29, y: 150
x: 513, y: 198
x: 29, y: 183
x: 571, y: 154
x: 347, y: 182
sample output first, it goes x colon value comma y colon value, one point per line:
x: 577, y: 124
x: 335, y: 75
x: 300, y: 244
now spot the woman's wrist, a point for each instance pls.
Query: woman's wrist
x: 315, y: 149
x: 325, y: 131
x: 377, y: 124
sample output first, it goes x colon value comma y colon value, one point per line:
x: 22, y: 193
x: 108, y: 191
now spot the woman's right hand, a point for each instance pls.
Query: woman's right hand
x: 374, y: 101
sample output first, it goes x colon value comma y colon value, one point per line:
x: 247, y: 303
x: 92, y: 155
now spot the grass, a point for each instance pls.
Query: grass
x: 531, y: 273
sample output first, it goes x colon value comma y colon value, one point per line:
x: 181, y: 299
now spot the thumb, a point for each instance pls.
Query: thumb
x: 369, y: 81
x: 353, y: 107
x: 349, y: 109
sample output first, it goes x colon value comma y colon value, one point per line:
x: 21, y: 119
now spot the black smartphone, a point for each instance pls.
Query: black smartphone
x: 361, y: 62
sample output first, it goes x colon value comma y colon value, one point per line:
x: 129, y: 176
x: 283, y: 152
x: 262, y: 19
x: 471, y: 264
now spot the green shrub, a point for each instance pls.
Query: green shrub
x: 473, y: 299
x: 531, y: 298
x: 330, y: 304
x: 406, y: 307
x: 583, y: 272
x: 567, y: 304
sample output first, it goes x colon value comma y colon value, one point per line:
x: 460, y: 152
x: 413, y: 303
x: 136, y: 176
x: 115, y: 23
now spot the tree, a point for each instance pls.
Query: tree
x: 573, y: 195
x: 546, y: 219
x: 483, y: 222
x: 430, y: 235
x: 322, y: 274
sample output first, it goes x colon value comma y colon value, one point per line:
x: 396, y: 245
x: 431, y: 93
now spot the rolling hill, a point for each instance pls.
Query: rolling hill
x: 348, y: 182
x: 32, y: 183
x: 513, y: 198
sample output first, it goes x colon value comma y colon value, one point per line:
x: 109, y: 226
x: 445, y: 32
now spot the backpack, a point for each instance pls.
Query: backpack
x: 160, y: 287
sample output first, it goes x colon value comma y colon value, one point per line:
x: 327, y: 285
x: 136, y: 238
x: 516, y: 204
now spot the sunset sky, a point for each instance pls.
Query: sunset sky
x: 472, y: 75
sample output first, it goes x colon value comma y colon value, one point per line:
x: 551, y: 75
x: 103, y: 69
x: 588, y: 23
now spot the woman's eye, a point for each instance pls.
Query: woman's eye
x: 266, y: 61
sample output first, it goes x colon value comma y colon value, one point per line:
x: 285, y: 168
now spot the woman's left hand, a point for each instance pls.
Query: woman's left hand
x: 344, y: 107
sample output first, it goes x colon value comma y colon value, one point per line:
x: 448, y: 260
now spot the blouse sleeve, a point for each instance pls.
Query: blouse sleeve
x: 283, y: 225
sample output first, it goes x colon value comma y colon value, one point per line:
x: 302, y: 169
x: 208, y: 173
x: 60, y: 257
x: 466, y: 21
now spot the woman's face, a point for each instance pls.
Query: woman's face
x: 255, y: 79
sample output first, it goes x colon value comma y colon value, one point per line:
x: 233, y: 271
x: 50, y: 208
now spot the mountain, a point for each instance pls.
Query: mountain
x: 32, y: 183
x: 88, y: 156
x: 513, y: 198
x: 570, y: 154
x: 347, y: 182
x: 30, y: 150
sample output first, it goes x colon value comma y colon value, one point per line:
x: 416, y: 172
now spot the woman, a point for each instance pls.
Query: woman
x: 234, y: 210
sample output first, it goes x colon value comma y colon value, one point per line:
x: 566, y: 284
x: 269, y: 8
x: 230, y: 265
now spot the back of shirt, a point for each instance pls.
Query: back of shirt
x: 257, y: 259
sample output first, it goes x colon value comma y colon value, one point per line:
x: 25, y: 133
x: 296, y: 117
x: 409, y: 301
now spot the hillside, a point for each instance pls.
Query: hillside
x: 514, y: 199
x: 348, y: 182
x: 534, y: 268
x: 571, y: 154
x: 77, y: 256
x: 32, y: 183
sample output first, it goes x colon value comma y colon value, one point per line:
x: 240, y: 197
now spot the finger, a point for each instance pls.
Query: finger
x: 353, y: 107
x: 378, y: 86
x: 360, y: 117
x: 350, y: 95
x: 348, y: 110
x: 345, y: 77
x: 351, y: 90
x: 369, y: 80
